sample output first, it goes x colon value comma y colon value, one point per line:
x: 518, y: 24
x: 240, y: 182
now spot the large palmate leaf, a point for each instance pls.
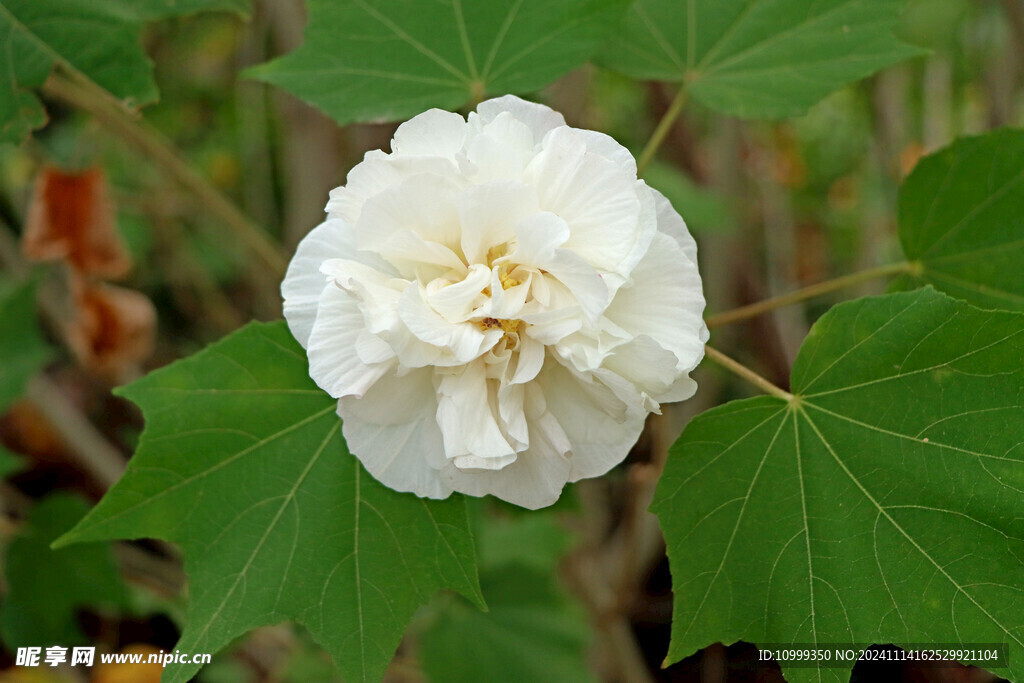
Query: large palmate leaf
x: 962, y: 219
x: 99, y: 40
x: 885, y: 503
x: 757, y: 58
x: 242, y: 463
x: 22, y: 349
x: 46, y: 588
x: 390, y: 59
x: 532, y: 631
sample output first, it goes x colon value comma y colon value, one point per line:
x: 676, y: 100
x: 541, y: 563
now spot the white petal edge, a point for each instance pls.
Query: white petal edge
x: 435, y: 132
x: 600, y: 441
x: 393, y: 431
x: 334, y: 362
x: 304, y: 282
x: 540, y: 118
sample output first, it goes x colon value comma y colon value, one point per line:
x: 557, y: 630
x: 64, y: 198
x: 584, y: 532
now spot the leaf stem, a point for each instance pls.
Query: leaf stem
x: 661, y: 131
x: 756, y: 309
x: 746, y: 373
x: 86, y: 95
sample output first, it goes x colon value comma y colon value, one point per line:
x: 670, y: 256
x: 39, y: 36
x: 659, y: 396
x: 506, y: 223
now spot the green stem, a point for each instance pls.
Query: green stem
x: 661, y: 131
x: 86, y: 95
x: 746, y: 373
x: 756, y: 309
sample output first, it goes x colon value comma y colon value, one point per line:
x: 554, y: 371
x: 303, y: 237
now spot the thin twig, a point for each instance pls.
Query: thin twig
x: 100, y: 459
x: 746, y: 373
x: 91, y: 98
x: 810, y: 292
x: 618, y: 643
x: 663, y: 128
x: 97, y: 457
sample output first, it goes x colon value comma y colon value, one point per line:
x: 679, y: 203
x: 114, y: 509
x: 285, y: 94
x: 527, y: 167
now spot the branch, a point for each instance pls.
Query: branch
x: 100, y: 459
x: 747, y: 374
x: 664, y: 126
x: 85, y: 95
x: 811, y: 292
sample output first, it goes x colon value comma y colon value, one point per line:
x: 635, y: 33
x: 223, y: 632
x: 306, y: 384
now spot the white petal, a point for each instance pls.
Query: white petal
x: 531, y: 359
x: 538, y: 239
x: 304, y: 282
x: 377, y: 172
x: 538, y: 117
x: 512, y: 415
x: 348, y: 273
x: 535, y: 480
x: 543, y: 423
x: 476, y: 462
x: 413, y: 352
x: 435, y: 132
x: 466, y: 416
x: 372, y: 349
x: 417, y: 258
x: 501, y: 149
x: 609, y: 148
x: 671, y: 223
x: 600, y: 440
x: 507, y: 303
x: 456, y: 301
x: 550, y: 327
x: 603, y: 205
x: 334, y: 363
x: 586, y: 284
x: 488, y: 214
x: 465, y: 341
x: 645, y: 365
x: 393, y: 431
x: 375, y: 291
x: 682, y: 389
x: 664, y: 301
x: 421, y: 206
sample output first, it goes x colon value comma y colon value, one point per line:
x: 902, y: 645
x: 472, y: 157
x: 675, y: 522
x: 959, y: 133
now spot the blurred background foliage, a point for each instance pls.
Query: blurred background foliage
x: 774, y: 206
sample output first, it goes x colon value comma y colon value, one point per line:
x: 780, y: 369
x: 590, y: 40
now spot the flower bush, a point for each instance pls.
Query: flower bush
x: 497, y: 304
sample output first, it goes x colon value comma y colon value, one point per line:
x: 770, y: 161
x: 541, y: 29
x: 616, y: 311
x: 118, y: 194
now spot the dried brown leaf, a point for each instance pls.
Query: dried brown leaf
x: 71, y: 217
x: 114, y: 328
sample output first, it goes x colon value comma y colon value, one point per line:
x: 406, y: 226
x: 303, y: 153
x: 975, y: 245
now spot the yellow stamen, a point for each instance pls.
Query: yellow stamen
x: 510, y: 326
x: 506, y: 326
x: 507, y: 281
x: 495, y: 253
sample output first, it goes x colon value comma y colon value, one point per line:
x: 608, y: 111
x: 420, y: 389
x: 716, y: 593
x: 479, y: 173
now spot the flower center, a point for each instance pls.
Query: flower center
x: 505, y: 268
x: 508, y: 326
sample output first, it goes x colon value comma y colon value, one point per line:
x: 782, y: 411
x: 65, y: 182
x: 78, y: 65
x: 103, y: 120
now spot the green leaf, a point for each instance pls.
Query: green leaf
x: 961, y: 219
x: 46, y: 587
x: 533, y: 630
x: 99, y: 40
x: 882, y: 505
x: 534, y: 540
x: 390, y: 59
x: 22, y: 349
x: 757, y: 58
x: 243, y: 464
x: 9, y: 463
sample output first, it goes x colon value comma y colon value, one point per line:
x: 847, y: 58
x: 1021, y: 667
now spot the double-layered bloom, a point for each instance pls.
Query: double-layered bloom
x: 498, y: 304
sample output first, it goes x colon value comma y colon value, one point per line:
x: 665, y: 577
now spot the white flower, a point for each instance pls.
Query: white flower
x: 498, y: 304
